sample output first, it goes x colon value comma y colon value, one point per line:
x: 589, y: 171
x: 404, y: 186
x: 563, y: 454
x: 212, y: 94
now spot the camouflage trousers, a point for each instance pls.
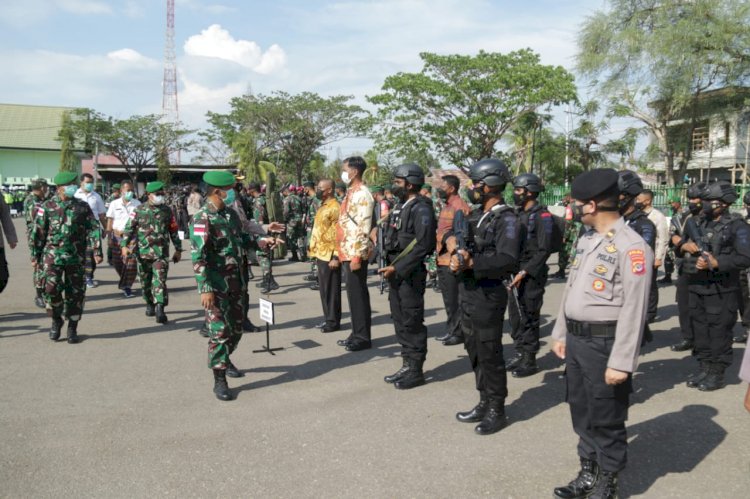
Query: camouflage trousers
x: 266, y: 264
x: 90, y: 263
x: 432, y: 264
x: 153, y: 276
x: 224, y: 321
x: 37, y: 273
x: 64, y: 290
x: 295, y: 238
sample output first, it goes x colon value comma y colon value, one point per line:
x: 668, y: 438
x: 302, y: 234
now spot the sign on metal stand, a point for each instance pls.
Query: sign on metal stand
x: 266, y: 312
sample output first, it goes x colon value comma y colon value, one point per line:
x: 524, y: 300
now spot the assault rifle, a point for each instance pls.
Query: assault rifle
x: 381, y: 254
x: 695, y: 234
x: 460, y: 232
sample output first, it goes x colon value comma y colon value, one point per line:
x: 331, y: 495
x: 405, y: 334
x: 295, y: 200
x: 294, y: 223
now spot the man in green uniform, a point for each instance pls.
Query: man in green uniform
x: 151, y: 226
x: 260, y: 215
x: 64, y: 227
x: 30, y: 207
x: 293, y: 219
x: 312, y: 205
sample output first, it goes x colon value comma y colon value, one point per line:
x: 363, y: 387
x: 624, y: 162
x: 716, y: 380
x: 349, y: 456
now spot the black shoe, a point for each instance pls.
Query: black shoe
x: 265, y: 284
x: 665, y: 280
x: 321, y: 325
x: 453, y: 340
x: 54, y: 332
x: 39, y: 300
x: 494, y: 420
x: 443, y: 336
x: 249, y: 327
x: 560, y: 274
x: 356, y: 346
x: 274, y: 285
x: 150, y: 310
x: 233, y: 372
x: 476, y: 414
x: 221, y: 389
x: 330, y: 329
x: 682, y: 346
x: 583, y: 484
x: 315, y: 287
x: 72, y: 332
x: 294, y: 258
x: 714, y: 380
x: 344, y: 342
x: 311, y: 277
x: 413, y: 377
x: 606, y: 486
x: 161, y: 317
x: 204, y: 331
x: 392, y: 378
x: 527, y: 366
x: 695, y: 379
x: 514, y: 361
x: 740, y: 338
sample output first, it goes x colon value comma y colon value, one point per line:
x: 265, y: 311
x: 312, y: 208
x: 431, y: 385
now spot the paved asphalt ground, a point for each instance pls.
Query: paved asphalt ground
x: 129, y: 412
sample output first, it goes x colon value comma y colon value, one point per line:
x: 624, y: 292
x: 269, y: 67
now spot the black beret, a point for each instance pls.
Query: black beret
x: 594, y: 184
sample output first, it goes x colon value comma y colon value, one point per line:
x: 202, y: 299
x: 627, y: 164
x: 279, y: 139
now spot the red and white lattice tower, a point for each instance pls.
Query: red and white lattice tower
x: 169, y: 85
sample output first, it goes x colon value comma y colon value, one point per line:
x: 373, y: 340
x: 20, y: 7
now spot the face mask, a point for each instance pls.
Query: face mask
x: 442, y: 194
x: 674, y: 210
x: 88, y: 187
x: 157, y: 200
x: 231, y: 196
x: 711, y: 209
x: 475, y: 195
x: 519, y: 199
x: 70, y: 190
x: 577, y: 210
x: 747, y: 210
x: 319, y: 195
x: 622, y: 204
x: 639, y: 206
x: 398, y: 191
x: 695, y: 208
x: 345, y: 177
x: 128, y: 195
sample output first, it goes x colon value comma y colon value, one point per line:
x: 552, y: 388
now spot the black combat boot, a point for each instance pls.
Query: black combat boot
x: 444, y: 336
x: 249, y: 327
x: 740, y: 338
x: 221, y: 389
x: 204, y: 330
x: 72, y: 331
x: 265, y: 284
x: 477, y: 413
x: 161, y: 317
x: 413, y: 377
x: 233, y: 372
x: 527, y: 366
x: 714, y: 380
x: 54, y: 332
x: 150, y: 310
x: 682, y: 346
x: 398, y: 374
x: 583, y: 484
x: 39, y: 300
x: 294, y: 257
x: 560, y: 274
x: 695, y: 379
x: 312, y: 276
x: 272, y: 283
x: 453, y: 340
x: 315, y: 286
x: 606, y: 487
x: 494, y: 419
x: 514, y: 361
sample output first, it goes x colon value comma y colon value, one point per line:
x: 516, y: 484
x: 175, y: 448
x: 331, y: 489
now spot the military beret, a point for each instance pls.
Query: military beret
x: 154, y: 186
x: 116, y: 186
x: 427, y: 186
x: 38, y: 183
x: 374, y: 188
x: 65, y: 178
x: 594, y: 184
x: 219, y: 178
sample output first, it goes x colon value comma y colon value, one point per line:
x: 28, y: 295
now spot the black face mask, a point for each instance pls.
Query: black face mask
x: 577, y: 212
x: 319, y: 194
x: 639, y: 206
x: 442, y: 194
x: 709, y: 210
x: 695, y: 208
x: 622, y: 204
x: 519, y: 199
x: 398, y: 192
x: 476, y: 195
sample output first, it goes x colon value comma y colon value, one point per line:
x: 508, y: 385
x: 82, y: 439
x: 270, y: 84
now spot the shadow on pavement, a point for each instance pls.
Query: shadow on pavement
x: 185, y: 322
x: 536, y: 400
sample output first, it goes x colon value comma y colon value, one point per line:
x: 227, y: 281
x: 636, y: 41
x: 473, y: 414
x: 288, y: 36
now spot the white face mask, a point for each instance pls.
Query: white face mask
x: 345, y: 177
x: 157, y: 200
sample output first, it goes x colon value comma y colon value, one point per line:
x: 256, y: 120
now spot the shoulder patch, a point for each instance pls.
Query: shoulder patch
x: 40, y: 212
x: 637, y: 261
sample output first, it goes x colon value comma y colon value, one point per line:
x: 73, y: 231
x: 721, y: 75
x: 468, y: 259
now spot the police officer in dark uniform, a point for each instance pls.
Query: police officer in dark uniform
x: 745, y: 286
x: 409, y: 239
x: 485, y: 254
x: 598, y: 332
x: 677, y: 238
x: 715, y: 256
x: 532, y: 277
x: 630, y: 185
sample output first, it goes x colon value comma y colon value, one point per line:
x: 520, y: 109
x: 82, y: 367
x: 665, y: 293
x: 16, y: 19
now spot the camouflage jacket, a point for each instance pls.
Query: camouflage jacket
x: 30, y: 207
x: 293, y: 210
x: 313, y: 205
x: 260, y: 212
x: 151, y: 227
x: 217, y: 247
x: 62, y: 232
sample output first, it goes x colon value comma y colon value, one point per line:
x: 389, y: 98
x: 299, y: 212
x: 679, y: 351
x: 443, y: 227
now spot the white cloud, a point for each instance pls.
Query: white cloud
x: 196, y: 99
x: 131, y: 56
x: 217, y: 42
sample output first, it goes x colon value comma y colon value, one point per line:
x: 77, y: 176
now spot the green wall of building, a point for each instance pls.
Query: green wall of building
x: 19, y: 166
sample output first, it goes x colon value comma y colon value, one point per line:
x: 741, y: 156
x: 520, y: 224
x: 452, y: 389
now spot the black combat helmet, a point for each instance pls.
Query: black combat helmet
x: 695, y: 190
x: 492, y: 172
x: 411, y: 172
x: 746, y: 198
x: 528, y: 181
x: 721, y: 191
x: 629, y: 183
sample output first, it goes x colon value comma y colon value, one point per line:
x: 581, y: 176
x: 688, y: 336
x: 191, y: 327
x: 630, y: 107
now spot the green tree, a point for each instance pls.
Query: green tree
x: 163, y: 170
x: 652, y: 60
x: 459, y: 106
x: 68, y: 160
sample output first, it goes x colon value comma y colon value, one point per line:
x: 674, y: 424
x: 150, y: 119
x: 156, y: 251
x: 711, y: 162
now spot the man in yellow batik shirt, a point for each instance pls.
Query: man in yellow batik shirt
x: 323, y: 249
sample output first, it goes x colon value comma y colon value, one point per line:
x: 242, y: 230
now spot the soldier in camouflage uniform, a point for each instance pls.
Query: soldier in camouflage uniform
x: 151, y: 226
x: 313, y: 204
x: 217, y: 246
x: 570, y: 238
x: 64, y: 227
x: 293, y: 212
x: 437, y: 206
x: 31, y: 205
x: 260, y: 215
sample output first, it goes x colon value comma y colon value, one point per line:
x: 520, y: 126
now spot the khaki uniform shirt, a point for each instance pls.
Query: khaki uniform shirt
x: 610, y: 279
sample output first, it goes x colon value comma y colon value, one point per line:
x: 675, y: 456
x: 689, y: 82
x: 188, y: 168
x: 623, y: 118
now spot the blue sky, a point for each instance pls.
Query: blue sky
x: 108, y: 55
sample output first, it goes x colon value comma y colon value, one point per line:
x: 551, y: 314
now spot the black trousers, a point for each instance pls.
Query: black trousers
x: 682, y: 296
x: 525, y: 328
x: 359, y: 302
x: 449, y: 290
x: 712, y: 318
x: 744, y: 299
x: 406, y: 298
x: 329, y: 282
x: 598, y: 411
x: 653, y: 299
x: 482, y: 310
x: 4, y: 274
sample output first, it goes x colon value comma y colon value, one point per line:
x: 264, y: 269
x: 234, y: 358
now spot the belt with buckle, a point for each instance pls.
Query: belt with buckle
x: 604, y: 329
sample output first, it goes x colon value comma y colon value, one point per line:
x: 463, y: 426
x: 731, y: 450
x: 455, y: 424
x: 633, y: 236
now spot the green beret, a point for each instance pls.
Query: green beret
x: 675, y: 199
x: 65, y: 178
x: 374, y: 188
x: 427, y: 186
x: 154, y: 186
x: 219, y: 178
x: 116, y: 186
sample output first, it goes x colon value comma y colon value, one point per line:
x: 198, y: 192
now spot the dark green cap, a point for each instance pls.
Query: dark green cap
x: 427, y: 186
x: 154, y: 186
x: 219, y: 178
x: 38, y: 183
x: 65, y: 178
x: 675, y: 199
x: 375, y: 188
x: 116, y: 186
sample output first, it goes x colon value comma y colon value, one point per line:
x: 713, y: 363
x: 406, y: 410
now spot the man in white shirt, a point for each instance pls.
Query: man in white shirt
x: 119, y: 212
x: 644, y: 202
x: 96, y: 203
